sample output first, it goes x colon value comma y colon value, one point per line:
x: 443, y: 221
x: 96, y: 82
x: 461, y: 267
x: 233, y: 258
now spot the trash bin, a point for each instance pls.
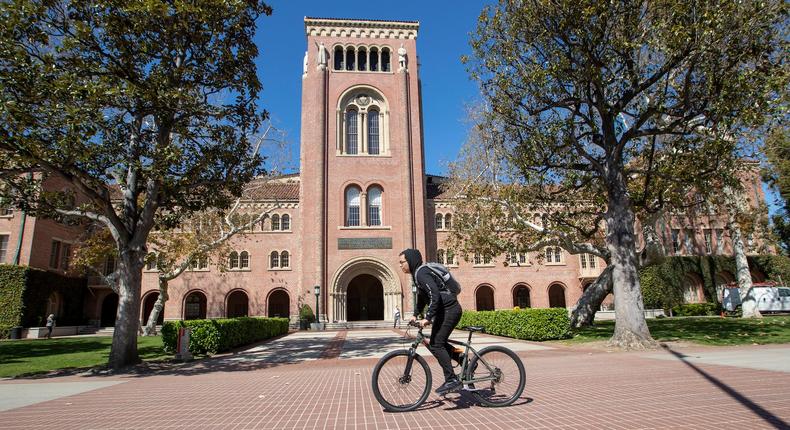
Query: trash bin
x: 16, y: 332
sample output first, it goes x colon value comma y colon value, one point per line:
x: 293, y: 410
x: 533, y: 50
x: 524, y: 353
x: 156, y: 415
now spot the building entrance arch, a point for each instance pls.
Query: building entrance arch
x: 365, y: 299
x: 109, y: 309
x: 364, y: 288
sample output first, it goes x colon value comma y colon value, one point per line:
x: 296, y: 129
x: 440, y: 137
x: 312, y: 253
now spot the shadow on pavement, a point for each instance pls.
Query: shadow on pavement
x: 754, y: 407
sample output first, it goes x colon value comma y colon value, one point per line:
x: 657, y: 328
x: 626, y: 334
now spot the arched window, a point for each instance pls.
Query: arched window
x: 150, y: 261
x: 352, y: 206
x: 478, y: 259
x: 557, y: 254
x: 448, y: 221
x: 374, y: 206
x: 285, y: 222
x: 233, y: 260
x: 374, y: 59
x: 440, y: 256
x: 244, y: 260
x: 439, y: 219
x: 350, y: 63
x: 484, y: 298
x: 362, y: 59
x: 373, y: 132
x: 451, y: 261
x: 385, y: 60
x: 339, y: 58
x: 285, y: 260
x: 195, y: 306
x: 274, y: 260
x: 275, y: 222
x: 352, y: 142
x: 521, y: 297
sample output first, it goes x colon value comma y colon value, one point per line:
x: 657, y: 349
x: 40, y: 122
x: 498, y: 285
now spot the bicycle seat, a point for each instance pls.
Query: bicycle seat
x: 475, y: 328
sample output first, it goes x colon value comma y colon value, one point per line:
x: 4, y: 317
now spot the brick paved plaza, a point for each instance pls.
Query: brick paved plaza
x: 322, y: 381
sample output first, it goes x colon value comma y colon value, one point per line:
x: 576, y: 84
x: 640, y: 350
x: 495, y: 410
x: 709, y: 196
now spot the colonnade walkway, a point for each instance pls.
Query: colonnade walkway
x: 321, y: 380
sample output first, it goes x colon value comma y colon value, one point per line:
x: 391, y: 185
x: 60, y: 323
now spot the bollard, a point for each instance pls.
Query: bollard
x: 182, y: 348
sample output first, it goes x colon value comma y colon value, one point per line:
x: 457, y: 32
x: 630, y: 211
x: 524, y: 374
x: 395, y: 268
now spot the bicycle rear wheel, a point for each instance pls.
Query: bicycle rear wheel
x: 394, y: 388
x: 507, y: 372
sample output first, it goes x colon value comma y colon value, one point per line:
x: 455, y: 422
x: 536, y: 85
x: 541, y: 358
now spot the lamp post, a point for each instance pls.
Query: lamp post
x: 317, y: 290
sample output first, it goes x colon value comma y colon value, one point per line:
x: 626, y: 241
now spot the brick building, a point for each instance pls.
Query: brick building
x: 361, y: 196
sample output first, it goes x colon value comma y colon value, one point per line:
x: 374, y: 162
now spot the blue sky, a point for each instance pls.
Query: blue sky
x: 442, y: 39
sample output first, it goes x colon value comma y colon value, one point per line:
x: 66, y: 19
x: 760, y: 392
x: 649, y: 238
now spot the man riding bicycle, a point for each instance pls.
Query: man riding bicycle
x: 444, y: 312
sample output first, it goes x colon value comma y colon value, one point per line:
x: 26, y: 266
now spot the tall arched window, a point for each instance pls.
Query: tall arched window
x: 352, y: 143
x: 352, y: 207
x: 285, y: 222
x: 374, y: 59
x: 557, y: 254
x: 448, y: 221
x: 373, y: 132
x: 440, y: 256
x: 275, y: 222
x: 438, y: 218
x: 150, y: 261
x: 244, y: 260
x: 338, y: 58
x: 374, y: 206
x: 350, y: 63
x: 285, y: 259
x: 274, y: 260
x: 233, y: 260
x: 385, y: 60
x: 362, y: 59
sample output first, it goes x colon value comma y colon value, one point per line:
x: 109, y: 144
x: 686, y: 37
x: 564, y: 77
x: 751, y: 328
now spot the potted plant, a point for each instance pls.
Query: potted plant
x: 306, y: 316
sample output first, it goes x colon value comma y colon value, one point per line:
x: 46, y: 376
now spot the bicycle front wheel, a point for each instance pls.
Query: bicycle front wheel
x: 503, y: 382
x: 397, y: 389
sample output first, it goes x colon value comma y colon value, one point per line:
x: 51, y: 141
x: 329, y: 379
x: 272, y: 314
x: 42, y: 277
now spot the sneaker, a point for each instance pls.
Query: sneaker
x: 448, y: 386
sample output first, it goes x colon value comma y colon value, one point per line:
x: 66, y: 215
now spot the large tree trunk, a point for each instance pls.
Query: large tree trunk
x: 749, y: 307
x: 583, y: 313
x: 630, y: 329
x: 150, y: 326
x: 127, y: 322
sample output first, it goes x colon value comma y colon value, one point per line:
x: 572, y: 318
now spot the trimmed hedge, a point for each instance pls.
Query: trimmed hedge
x: 25, y: 291
x: 527, y: 324
x: 696, y: 309
x: 218, y: 335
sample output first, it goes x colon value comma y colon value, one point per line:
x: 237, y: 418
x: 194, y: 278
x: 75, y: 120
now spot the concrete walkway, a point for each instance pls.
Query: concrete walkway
x: 322, y: 381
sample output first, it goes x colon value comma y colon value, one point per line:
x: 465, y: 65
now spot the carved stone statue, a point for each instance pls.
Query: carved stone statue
x: 321, y: 56
x: 401, y: 57
x: 304, y: 64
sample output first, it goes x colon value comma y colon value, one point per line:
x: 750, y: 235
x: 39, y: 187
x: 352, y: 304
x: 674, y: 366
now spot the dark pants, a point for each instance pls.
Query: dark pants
x: 443, y: 324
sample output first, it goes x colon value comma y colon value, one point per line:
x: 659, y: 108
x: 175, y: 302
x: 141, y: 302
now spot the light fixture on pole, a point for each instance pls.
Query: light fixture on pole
x: 317, y: 290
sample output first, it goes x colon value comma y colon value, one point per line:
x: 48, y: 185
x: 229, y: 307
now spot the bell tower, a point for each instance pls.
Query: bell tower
x: 362, y: 196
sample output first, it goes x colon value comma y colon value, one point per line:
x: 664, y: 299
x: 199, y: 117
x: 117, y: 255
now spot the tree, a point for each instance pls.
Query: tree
x: 777, y: 174
x: 606, y: 102
x: 144, y: 107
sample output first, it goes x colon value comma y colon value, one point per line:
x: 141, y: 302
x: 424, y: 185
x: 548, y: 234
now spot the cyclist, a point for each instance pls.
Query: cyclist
x: 443, y: 312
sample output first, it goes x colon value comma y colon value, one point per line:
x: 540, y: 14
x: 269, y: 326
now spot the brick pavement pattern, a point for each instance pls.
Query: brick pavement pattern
x: 567, y: 388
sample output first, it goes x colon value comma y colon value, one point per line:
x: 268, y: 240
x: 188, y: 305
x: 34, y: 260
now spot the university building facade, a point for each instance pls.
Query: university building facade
x: 361, y: 196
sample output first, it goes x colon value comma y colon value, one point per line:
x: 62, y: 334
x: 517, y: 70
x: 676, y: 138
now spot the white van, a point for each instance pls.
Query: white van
x: 769, y: 296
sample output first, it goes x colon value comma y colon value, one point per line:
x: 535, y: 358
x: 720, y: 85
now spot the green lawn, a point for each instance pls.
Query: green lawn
x: 702, y: 330
x: 28, y: 357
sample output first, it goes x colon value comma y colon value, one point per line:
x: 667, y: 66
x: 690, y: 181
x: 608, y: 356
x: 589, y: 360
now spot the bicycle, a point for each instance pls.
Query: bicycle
x: 495, y: 375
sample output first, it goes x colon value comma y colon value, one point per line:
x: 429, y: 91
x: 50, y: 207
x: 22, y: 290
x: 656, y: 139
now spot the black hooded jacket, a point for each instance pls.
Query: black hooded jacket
x: 429, y: 291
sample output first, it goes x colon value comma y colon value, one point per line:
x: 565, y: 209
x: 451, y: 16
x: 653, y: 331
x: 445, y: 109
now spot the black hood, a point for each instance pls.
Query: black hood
x: 414, y: 258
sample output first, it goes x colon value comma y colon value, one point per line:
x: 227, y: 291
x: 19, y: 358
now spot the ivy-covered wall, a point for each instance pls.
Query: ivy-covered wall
x: 25, y: 291
x: 663, y: 284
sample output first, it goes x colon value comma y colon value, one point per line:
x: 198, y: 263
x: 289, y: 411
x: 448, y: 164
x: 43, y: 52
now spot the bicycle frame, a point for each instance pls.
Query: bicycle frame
x: 421, y: 339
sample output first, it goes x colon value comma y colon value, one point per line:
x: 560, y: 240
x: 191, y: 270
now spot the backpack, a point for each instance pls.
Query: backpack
x: 448, y: 282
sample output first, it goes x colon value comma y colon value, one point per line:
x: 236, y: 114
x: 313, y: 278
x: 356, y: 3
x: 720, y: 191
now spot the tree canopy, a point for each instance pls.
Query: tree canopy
x: 144, y: 107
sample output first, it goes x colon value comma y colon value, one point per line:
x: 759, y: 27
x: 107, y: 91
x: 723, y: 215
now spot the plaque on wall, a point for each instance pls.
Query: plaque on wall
x: 364, y: 243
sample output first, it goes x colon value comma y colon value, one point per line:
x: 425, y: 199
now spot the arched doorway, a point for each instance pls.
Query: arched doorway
x: 148, y: 307
x: 279, y: 304
x: 692, y: 288
x: 109, y: 308
x: 521, y: 296
x: 556, y: 296
x: 238, y: 305
x: 484, y: 298
x: 195, y: 306
x: 54, y: 305
x: 365, y: 298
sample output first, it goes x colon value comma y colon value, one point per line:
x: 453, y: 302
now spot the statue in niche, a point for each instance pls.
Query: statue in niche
x: 401, y: 57
x: 321, y: 55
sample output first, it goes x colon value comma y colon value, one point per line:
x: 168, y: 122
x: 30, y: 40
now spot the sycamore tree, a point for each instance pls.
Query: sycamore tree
x: 777, y: 175
x: 143, y: 107
x: 596, y: 102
